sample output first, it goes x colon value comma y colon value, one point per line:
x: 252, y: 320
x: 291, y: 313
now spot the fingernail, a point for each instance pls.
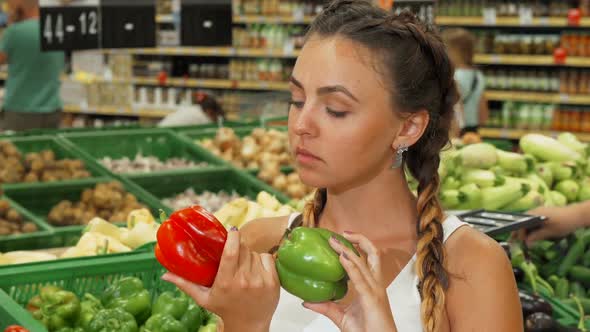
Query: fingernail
x: 335, y: 239
x: 233, y: 228
x: 348, y: 232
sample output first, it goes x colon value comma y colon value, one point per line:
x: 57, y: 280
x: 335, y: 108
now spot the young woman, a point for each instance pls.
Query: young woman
x: 471, y: 82
x: 367, y: 87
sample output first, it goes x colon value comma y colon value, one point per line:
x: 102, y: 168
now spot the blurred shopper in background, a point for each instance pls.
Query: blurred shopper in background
x: 207, y: 110
x: 473, y: 107
x: 32, y: 98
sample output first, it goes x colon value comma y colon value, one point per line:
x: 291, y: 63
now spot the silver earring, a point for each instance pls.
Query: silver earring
x: 399, y: 156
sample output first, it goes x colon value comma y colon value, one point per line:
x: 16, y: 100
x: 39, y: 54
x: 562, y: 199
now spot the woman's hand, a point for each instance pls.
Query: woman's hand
x: 245, y: 293
x: 370, y: 310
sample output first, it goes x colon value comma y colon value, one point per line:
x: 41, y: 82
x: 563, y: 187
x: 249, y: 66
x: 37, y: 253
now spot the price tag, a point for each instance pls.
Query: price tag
x: 564, y: 98
x: 496, y: 59
x: 289, y: 47
x: 544, y: 21
x: 128, y: 23
x: 298, y: 15
x: 525, y: 16
x: 489, y: 16
x: 206, y: 22
x: 67, y: 27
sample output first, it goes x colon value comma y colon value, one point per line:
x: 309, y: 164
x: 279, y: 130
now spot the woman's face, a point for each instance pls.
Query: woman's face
x: 342, y: 125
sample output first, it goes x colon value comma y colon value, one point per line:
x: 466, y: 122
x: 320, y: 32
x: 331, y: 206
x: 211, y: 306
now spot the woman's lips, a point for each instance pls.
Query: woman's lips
x: 305, y: 157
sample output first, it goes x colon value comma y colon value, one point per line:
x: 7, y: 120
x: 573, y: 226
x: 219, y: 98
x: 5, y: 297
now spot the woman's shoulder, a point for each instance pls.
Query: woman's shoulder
x: 467, y: 246
x: 261, y: 235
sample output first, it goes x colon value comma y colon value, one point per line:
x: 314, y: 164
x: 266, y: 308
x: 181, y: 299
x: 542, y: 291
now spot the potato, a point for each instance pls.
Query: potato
x: 48, y: 177
x: 86, y: 217
x: 280, y: 182
x: 13, y: 215
x: 104, y: 214
x: 5, y: 230
x: 76, y: 164
x: 4, y: 207
x: 48, y: 155
x: 115, y: 200
x: 130, y: 199
x: 117, y: 186
x: 29, y: 227
x: 100, y: 198
x: 11, y: 151
x: 31, y: 177
x: 293, y: 178
x: 80, y: 175
x: 296, y: 191
x: 87, y: 195
x: 118, y: 217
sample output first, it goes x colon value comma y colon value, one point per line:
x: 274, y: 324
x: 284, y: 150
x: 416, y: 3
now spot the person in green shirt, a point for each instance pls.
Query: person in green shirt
x: 32, y: 97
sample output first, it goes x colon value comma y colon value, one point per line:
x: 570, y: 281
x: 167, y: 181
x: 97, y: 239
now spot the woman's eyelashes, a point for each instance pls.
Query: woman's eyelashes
x: 333, y: 113
x: 296, y: 104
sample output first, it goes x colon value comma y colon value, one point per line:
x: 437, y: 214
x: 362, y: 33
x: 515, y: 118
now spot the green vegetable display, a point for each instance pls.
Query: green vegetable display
x: 111, y: 320
x: 553, y: 173
x: 309, y: 268
x: 126, y: 307
x: 130, y: 295
x: 55, y: 308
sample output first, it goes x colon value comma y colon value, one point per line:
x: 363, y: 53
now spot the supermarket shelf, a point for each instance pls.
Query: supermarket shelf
x: 165, y: 18
x: 538, y: 97
x: 248, y: 19
x: 210, y: 51
x: 528, y: 60
x: 117, y: 111
x: 515, y: 134
x: 557, y: 22
x: 206, y: 83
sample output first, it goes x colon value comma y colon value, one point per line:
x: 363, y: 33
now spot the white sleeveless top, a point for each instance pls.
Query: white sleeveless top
x: 404, y: 299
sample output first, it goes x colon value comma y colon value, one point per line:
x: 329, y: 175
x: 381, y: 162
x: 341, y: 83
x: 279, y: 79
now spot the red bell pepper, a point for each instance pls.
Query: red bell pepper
x: 16, y: 328
x: 190, y: 244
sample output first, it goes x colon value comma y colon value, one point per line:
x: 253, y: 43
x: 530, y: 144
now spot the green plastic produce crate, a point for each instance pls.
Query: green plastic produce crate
x: 227, y: 180
x: 41, y: 199
x: 80, y: 276
x: 160, y: 143
x: 25, y: 240
x: 61, y: 150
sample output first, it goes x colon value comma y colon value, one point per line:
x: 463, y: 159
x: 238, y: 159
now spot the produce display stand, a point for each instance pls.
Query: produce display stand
x: 62, y: 151
x: 79, y: 275
x: 160, y: 143
x: 222, y: 179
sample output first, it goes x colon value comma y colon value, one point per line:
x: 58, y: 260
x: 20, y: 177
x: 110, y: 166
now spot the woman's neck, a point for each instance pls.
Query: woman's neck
x: 383, y: 209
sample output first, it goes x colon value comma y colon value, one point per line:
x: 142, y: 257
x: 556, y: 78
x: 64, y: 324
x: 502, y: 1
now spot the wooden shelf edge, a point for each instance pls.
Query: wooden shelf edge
x: 539, y: 97
x: 517, y: 133
x: 116, y: 111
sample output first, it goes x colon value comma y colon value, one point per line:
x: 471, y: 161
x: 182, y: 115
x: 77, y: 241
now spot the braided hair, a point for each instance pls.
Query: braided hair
x: 413, y: 60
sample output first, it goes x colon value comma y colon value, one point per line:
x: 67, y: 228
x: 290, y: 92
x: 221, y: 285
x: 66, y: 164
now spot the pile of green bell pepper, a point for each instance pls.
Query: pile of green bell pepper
x: 125, y: 306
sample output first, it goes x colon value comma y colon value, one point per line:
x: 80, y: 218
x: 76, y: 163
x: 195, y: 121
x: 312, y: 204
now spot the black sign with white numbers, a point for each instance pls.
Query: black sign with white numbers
x: 70, y: 27
x: 128, y: 23
x: 206, y: 23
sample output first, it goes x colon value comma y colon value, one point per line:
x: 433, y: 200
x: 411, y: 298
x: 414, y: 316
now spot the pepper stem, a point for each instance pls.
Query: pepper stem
x: 163, y: 216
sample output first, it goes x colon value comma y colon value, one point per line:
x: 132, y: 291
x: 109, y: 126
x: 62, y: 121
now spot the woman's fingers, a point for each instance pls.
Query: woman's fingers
x: 230, y: 259
x: 199, y: 293
x: 373, y: 253
x: 270, y: 274
x: 357, y: 262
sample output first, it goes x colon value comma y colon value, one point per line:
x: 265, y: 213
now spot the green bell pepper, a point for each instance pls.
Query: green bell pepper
x: 210, y: 324
x: 130, y: 295
x: 169, y: 304
x: 193, y: 317
x: 89, y: 306
x: 113, y: 320
x: 309, y: 268
x: 163, y: 323
x: 181, y: 308
x: 71, y: 329
x: 54, y: 307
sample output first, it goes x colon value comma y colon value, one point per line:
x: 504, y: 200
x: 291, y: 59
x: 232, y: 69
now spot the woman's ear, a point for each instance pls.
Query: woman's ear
x: 412, y: 129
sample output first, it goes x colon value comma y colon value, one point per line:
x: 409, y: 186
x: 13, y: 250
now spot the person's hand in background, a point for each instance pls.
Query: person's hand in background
x: 561, y: 221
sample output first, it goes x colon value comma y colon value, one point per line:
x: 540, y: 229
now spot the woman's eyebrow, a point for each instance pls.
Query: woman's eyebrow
x: 326, y: 89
